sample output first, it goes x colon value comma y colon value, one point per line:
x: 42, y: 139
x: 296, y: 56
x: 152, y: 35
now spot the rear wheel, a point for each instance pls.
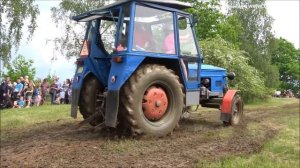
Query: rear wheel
x: 90, y: 100
x: 153, y: 100
x: 236, y: 111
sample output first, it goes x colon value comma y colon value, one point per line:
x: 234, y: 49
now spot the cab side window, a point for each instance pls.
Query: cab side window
x: 122, y: 43
x: 108, y: 33
x: 186, y: 38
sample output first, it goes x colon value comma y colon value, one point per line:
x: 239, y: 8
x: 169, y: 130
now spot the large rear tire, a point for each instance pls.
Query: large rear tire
x: 89, y: 102
x: 153, y: 100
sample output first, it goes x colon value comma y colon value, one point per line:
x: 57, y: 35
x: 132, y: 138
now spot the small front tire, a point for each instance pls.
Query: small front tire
x: 237, y: 108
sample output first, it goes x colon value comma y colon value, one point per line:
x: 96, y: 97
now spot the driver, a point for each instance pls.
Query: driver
x: 142, y: 37
x: 169, y: 41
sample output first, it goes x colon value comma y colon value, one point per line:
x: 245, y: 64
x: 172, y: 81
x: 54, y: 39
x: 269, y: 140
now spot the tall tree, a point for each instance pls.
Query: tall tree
x: 209, y: 16
x: 230, y: 29
x: 20, y: 67
x: 217, y: 51
x: 287, y: 59
x: 257, y: 36
x: 69, y: 44
x: 14, y: 14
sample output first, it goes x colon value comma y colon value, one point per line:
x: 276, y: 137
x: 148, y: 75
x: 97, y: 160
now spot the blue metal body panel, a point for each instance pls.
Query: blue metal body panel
x: 217, y: 76
x: 122, y: 71
x: 97, y: 63
x: 101, y: 64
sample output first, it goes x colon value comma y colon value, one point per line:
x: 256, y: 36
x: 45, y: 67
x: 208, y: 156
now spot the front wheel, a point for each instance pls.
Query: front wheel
x: 236, y: 111
x: 153, y: 100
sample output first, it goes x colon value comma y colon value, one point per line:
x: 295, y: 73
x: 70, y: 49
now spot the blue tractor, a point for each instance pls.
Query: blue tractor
x: 141, y: 68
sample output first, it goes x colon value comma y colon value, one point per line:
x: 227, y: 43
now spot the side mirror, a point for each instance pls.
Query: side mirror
x: 231, y: 75
x: 182, y: 23
x: 195, y: 19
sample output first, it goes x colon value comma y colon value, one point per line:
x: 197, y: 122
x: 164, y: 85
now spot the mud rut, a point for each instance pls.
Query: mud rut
x: 200, y: 138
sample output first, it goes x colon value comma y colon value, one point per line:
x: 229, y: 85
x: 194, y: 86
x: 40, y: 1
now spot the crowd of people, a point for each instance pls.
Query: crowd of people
x: 284, y: 93
x: 25, y: 93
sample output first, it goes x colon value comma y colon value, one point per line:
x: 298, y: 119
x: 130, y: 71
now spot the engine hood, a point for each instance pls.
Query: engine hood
x: 211, y: 68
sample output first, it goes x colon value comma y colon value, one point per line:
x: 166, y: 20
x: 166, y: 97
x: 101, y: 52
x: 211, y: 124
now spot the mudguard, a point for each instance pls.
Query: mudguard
x: 119, y: 74
x: 226, y: 105
x: 76, y: 88
x: 74, y: 102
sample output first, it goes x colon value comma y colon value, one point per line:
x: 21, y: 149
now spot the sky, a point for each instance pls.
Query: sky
x: 42, y: 51
x: 286, y: 25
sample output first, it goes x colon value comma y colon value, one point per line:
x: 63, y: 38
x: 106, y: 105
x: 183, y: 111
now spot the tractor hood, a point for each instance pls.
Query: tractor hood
x: 206, y: 71
x: 206, y: 67
x: 210, y: 70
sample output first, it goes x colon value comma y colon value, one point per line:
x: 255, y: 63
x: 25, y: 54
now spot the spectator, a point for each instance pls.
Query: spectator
x: 44, y: 90
x: 19, y: 103
x: 58, y: 83
x: 22, y: 80
x: 10, y: 89
x: 58, y: 99
x: 17, y: 90
x: 14, y: 85
x: 53, y: 90
x: 4, y: 93
x: 25, y: 87
x: 29, y: 93
x: 37, y: 94
x: 62, y: 94
x: 67, y: 91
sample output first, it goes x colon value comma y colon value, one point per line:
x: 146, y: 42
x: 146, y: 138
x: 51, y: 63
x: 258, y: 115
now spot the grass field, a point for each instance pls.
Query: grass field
x: 283, y: 151
x: 268, y: 138
x: 273, y: 102
x: 16, y: 118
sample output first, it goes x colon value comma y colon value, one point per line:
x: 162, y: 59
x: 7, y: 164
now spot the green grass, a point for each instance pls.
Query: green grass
x: 272, y: 102
x: 282, y: 151
x: 17, y: 118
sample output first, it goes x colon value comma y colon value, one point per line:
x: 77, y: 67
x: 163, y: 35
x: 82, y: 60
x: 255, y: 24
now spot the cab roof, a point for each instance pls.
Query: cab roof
x: 89, y: 15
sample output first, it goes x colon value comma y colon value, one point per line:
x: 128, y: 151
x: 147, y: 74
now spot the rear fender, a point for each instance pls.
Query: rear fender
x: 78, y: 81
x: 226, y: 105
x: 91, y: 66
x: 119, y: 74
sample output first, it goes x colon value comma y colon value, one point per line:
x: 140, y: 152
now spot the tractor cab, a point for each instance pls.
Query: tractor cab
x: 141, y: 59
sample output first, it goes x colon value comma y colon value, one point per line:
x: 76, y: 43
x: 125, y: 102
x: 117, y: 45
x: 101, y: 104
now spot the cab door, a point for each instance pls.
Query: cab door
x: 189, y: 59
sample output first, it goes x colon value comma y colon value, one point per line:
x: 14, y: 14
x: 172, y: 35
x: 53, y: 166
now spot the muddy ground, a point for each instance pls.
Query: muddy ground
x: 200, y: 139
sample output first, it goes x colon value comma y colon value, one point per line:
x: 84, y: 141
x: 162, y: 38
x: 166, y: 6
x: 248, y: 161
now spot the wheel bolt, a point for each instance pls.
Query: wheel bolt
x: 158, y: 103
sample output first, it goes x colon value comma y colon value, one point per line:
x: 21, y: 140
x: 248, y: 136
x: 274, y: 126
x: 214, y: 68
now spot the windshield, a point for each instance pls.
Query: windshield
x: 153, y: 31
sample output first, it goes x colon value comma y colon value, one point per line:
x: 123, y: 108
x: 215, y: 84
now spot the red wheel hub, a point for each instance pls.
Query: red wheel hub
x: 155, y: 103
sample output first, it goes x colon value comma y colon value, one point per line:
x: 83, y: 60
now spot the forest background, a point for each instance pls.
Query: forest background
x: 240, y: 40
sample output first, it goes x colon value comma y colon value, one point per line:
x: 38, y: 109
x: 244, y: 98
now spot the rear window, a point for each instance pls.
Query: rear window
x: 153, y: 31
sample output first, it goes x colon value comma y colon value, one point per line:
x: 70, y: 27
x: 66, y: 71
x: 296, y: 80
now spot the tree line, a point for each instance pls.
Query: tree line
x: 241, y: 40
